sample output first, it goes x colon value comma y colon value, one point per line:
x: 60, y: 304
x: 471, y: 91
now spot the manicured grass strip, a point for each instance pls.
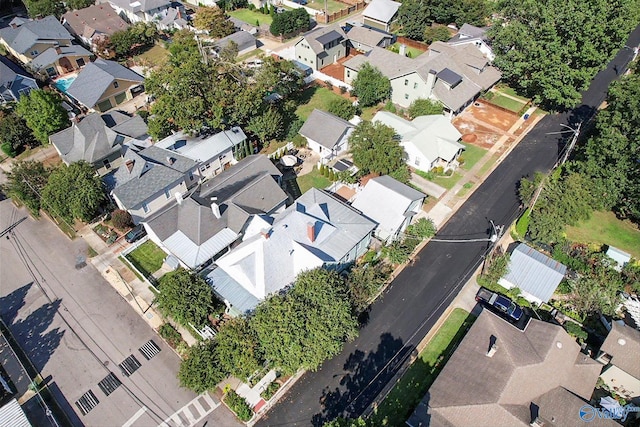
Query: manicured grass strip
x: 508, y: 103
x: 411, y: 52
x: 147, y: 257
x: 155, y: 56
x: 250, y: 17
x: 332, y: 5
x: 488, y: 165
x: 408, y: 392
x: 447, y: 181
x: 314, y: 97
x: 312, y: 179
x: 605, y: 228
x: 472, y: 154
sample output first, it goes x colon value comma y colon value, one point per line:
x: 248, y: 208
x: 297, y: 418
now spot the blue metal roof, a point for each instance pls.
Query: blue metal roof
x: 232, y: 291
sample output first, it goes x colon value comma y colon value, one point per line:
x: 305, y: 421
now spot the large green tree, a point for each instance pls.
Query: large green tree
x: 42, y: 8
x: 15, y: 136
x: 214, y: 21
x: 375, y: 149
x: 186, y: 297
x: 74, y: 192
x: 238, y: 349
x: 551, y: 49
x: 424, y: 107
x: 267, y: 125
x: 25, y: 182
x: 290, y: 22
x: 201, y: 370
x: 309, y: 324
x: 281, y: 77
x: 371, y: 86
x: 342, y: 107
x: 133, y: 40
x: 42, y: 111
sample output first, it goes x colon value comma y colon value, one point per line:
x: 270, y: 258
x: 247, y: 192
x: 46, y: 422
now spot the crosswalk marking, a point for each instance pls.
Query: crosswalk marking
x: 135, y: 417
x: 187, y: 414
x: 129, y: 365
x: 149, y: 349
x: 109, y: 384
x: 87, y: 402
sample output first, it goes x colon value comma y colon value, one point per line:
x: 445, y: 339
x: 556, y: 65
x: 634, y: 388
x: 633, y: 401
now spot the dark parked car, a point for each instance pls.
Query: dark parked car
x: 302, y: 2
x: 136, y: 233
x: 499, y: 303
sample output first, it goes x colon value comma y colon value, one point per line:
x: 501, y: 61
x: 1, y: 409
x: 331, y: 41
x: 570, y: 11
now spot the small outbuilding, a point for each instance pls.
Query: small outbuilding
x: 620, y: 257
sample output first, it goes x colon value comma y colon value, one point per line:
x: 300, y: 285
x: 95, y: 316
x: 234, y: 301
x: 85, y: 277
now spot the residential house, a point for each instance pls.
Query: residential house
x: 619, y: 353
x: 318, y: 230
x: 149, y: 179
x: 213, y: 153
x: 26, y: 39
x: 243, y: 26
x: 99, y: 139
x: 428, y: 141
x: 173, y: 18
x: 501, y: 376
x: 364, y: 39
x: 468, y: 34
x: 103, y: 85
x: 391, y: 204
x: 60, y: 60
x: 148, y: 11
x: 321, y: 47
x: 205, y: 224
x: 326, y: 134
x: 380, y: 14
x: 14, y: 81
x: 621, y: 258
x: 93, y: 24
x: 535, y: 274
x: 245, y: 42
x: 453, y: 75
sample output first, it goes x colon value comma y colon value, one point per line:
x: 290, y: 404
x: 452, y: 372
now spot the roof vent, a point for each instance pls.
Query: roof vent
x: 179, y: 198
x: 558, y: 344
x: 129, y: 164
x: 537, y: 422
x: 215, y: 207
x: 622, y: 341
x: 171, y: 160
x: 492, y: 346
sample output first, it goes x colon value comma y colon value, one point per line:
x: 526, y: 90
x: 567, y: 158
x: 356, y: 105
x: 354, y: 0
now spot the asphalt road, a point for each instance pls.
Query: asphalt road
x: 347, y: 384
x: 81, y: 329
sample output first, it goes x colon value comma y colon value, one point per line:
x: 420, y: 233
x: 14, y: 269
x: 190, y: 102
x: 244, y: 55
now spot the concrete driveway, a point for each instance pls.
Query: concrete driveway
x: 76, y: 329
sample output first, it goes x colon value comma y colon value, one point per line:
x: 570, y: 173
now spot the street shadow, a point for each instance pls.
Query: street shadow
x: 61, y: 406
x: 363, y: 378
x: 34, y: 336
x: 11, y: 304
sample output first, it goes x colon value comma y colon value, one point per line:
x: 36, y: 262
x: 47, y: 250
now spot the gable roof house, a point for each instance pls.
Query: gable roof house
x: 380, y: 14
x: 149, y: 179
x: 619, y: 353
x: 99, y: 139
x: 26, y: 39
x: 453, y: 75
x: 468, y: 34
x: 318, y: 230
x: 500, y: 376
x: 140, y: 10
x: 199, y: 227
x: 60, y: 60
x: 245, y: 42
x: 535, y: 274
x: 364, y: 39
x: 326, y: 134
x: 14, y: 81
x: 428, y: 141
x: 401, y: 204
x: 213, y: 153
x: 103, y: 85
x: 94, y: 23
x: 321, y: 46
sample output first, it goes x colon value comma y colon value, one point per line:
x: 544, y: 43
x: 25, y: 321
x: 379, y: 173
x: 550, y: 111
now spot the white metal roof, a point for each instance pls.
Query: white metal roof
x: 12, y: 415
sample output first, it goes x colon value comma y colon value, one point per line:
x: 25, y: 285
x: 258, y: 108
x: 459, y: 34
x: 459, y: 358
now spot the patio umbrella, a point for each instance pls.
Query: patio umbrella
x: 289, y: 160
x: 611, y: 405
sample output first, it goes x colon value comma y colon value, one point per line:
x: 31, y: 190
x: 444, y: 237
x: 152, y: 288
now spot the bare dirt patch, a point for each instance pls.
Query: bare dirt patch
x: 491, y: 115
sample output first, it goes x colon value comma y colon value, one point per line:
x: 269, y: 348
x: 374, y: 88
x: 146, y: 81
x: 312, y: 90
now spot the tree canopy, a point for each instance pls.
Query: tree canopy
x: 267, y: 125
x: 186, y: 297
x: 15, y: 136
x: 424, y: 107
x: 238, y: 348
x: 214, y: 21
x: 42, y: 8
x: 201, y: 370
x: 290, y: 22
x: 342, y: 107
x: 375, y: 149
x: 74, y: 192
x: 133, y: 40
x: 307, y: 325
x: 550, y: 50
x: 371, y: 86
x: 42, y: 111
x: 415, y: 17
x: 25, y: 182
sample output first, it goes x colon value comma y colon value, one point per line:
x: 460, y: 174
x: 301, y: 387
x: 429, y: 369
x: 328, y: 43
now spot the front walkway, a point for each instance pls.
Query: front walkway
x: 430, y: 188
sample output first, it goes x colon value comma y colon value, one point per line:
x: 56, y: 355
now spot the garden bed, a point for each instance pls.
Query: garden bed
x: 106, y: 233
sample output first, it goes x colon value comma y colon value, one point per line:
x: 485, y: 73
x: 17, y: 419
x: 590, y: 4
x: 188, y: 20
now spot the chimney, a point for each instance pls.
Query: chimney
x: 215, y: 208
x: 431, y: 81
x: 58, y: 50
x: 403, y: 49
x: 265, y: 233
x: 129, y: 164
x: 179, y: 197
x: 311, y: 232
x: 492, y: 346
x: 170, y: 160
x: 537, y: 422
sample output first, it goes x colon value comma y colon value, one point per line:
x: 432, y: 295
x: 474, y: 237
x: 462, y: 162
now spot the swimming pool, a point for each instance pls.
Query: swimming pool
x: 63, y: 83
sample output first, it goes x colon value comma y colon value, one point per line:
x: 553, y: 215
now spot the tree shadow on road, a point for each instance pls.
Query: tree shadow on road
x: 364, y: 376
x: 11, y: 304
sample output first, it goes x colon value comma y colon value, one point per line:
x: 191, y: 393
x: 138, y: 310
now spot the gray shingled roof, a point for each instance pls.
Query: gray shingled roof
x: 325, y: 128
x: 625, y: 356
x: 95, y: 19
x: 468, y: 32
x: 145, y: 5
x: 534, y: 272
x: 52, y: 55
x: 13, y: 80
x: 381, y: 10
x: 473, y: 389
x: 47, y: 30
x: 242, y: 39
x: 314, y: 36
x: 367, y: 36
x: 389, y: 63
x: 96, y: 77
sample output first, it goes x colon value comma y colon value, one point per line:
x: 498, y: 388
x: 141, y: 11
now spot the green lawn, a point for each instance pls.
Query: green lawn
x: 488, y: 164
x: 410, y: 389
x: 147, y: 258
x: 313, y: 179
x: 508, y: 103
x: 250, y: 17
x: 472, y: 154
x: 605, y: 228
x: 447, y: 181
x: 501, y: 87
x: 154, y: 57
x: 332, y: 5
x: 314, y: 97
x: 255, y: 52
x: 411, y: 52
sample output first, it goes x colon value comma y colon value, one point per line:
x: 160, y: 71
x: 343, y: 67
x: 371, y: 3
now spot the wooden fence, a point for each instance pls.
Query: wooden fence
x: 323, y: 18
x: 412, y: 43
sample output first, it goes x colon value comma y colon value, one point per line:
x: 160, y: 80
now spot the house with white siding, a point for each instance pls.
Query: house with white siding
x: 326, y: 134
x: 321, y: 47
